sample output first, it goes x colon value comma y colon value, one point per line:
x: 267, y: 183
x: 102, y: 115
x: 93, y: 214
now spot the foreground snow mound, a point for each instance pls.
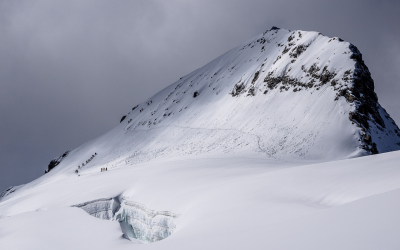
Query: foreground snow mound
x: 235, y: 203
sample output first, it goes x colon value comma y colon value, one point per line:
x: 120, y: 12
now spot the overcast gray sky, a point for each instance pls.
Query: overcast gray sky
x: 70, y: 69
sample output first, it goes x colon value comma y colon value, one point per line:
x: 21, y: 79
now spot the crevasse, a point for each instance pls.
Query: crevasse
x: 136, y: 220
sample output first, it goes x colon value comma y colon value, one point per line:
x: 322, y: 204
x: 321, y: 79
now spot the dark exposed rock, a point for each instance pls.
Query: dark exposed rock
x: 285, y: 50
x: 272, y: 82
x: 297, y: 51
x: 326, y: 76
x: 279, y: 57
x: 196, y: 94
x: 53, y: 163
x: 251, y: 91
x: 313, y: 70
x: 123, y: 118
x: 237, y: 89
x: 373, y: 149
x: 362, y: 94
x: 255, y: 77
x: 359, y: 119
x: 347, y: 76
x: 363, y: 89
x: 367, y: 138
x: 291, y: 37
x: 287, y: 81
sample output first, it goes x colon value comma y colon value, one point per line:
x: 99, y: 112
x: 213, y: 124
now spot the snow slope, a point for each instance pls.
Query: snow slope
x: 233, y: 203
x: 256, y: 149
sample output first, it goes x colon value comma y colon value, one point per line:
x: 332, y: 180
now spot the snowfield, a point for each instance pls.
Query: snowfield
x: 235, y: 203
x: 259, y: 149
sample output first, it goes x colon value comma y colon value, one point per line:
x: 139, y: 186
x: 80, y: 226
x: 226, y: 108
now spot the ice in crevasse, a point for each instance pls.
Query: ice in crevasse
x: 102, y: 208
x: 136, y: 220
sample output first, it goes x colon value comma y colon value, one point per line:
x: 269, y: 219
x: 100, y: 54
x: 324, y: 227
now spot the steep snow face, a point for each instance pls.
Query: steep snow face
x: 291, y: 95
x: 136, y: 220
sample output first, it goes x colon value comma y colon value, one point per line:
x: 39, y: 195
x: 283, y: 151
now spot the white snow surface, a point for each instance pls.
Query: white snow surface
x: 212, y: 170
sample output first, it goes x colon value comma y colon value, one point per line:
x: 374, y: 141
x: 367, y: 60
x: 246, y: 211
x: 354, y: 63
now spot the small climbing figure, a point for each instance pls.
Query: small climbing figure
x: 76, y: 171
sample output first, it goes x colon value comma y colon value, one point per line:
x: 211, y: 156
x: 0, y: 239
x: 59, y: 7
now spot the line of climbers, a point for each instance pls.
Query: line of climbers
x: 87, y: 161
x: 103, y: 169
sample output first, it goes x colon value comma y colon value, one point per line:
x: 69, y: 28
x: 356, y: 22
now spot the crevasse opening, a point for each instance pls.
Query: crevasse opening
x: 136, y: 220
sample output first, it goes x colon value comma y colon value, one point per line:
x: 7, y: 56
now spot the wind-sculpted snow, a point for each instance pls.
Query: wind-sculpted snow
x: 136, y: 220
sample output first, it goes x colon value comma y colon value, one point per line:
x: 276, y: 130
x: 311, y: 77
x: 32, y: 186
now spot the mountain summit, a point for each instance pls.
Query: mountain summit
x: 283, y: 94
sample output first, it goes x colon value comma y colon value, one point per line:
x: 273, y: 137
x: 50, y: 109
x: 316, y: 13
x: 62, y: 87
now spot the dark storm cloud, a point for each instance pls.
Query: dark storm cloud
x: 70, y: 69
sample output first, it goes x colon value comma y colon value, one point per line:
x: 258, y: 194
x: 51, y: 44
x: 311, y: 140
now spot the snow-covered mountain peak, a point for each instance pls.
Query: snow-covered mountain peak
x: 283, y: 94
x: 287, y: 95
